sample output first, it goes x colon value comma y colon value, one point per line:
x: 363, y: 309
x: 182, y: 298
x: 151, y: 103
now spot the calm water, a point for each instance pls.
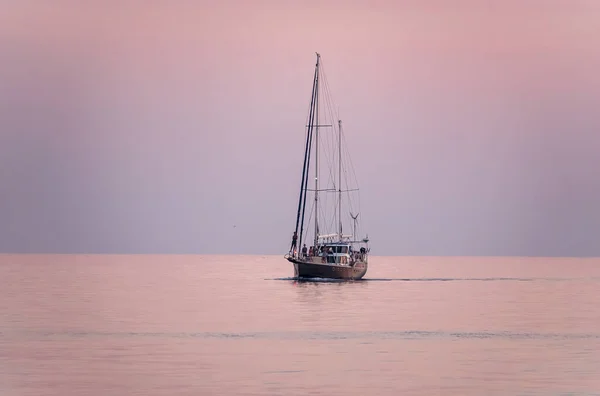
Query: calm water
x: 239, y: 325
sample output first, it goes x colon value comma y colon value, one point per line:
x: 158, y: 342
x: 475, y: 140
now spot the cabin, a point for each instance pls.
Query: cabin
x: 336, y: 253
x: 335, y: 250
x: 341, y: 253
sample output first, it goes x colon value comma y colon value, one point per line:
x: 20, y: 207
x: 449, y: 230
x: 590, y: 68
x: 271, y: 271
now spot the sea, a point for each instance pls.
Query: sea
x: 242, y: 325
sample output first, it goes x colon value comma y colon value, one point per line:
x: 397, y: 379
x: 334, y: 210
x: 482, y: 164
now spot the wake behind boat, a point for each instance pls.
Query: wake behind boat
x: 334, y: 254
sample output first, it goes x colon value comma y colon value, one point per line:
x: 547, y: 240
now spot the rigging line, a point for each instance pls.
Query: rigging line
x: 331, y: 224
x: 309, y: 224
x: 356, y: 182
x: 333, y: 214
x: 327, y: 105
x: 325, y: 223
x: 327, y: 87
x: 324, y: 217
x: 329, y: 177
x: 328, y: 96
x: 331, y: 102
x: 329, y: 159
x: 346, y: 151
x: 351, y: 166
x: 350, y: 204
x: 332, y: 178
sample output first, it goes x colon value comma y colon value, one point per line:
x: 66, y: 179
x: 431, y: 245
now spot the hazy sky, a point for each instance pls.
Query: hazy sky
x: 154, y: 127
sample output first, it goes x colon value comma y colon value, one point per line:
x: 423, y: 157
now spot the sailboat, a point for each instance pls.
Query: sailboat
x: 331, y: 254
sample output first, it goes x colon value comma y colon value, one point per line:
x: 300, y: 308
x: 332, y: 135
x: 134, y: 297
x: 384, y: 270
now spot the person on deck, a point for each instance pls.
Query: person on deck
x: 304, y: 250
x: 294, y: 239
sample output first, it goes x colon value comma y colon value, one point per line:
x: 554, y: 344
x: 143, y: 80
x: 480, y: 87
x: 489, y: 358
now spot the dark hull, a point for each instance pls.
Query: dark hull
x: 303, y: 269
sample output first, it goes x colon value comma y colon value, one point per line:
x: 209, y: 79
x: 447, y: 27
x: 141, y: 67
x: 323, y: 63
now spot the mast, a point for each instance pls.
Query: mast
x: 340, y: 176
x: 307, y: 151
x: 317, y: 153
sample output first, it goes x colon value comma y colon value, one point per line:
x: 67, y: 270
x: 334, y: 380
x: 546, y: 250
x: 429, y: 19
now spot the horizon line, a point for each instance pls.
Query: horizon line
x: 282, y: 255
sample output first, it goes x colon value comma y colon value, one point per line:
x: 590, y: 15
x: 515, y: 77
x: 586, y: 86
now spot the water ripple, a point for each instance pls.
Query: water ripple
x: 324, y: 280
x: 319, y: 335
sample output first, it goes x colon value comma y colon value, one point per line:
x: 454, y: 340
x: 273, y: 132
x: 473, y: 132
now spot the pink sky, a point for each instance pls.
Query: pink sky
x: 478, y: 122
